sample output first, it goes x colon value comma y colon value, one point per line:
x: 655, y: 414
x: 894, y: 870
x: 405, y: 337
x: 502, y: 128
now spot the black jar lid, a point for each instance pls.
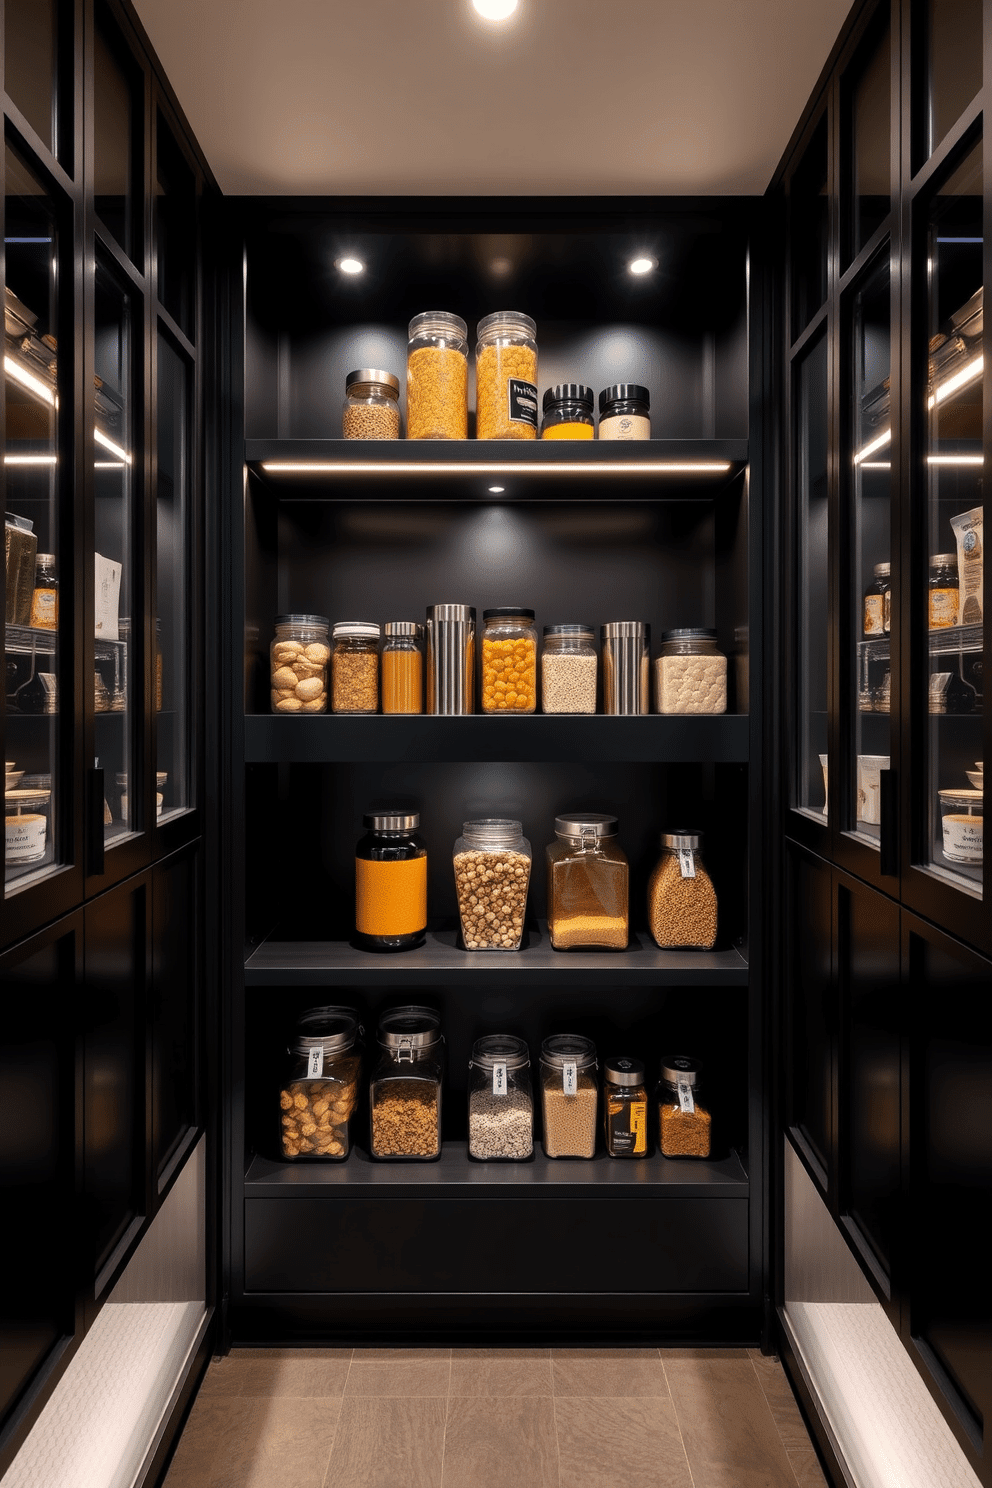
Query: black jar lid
x: 506, y: 611
x: 690, y: 633
x: 391, y: 821
x: 569, y: 392
x: 409, y: 1027
x: 336, y: 1028
x: 568, y: 1048
x: 624, y: 392
x: 624, y: 1071
x: 500, y: 1048
x: 680, y: 1069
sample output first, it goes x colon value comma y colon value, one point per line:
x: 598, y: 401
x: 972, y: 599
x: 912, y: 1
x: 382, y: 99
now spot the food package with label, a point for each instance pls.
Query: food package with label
x: 968, y: 531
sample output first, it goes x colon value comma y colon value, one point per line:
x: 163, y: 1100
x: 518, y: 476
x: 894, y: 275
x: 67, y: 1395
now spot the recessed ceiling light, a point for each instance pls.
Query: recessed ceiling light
x: 501, y: 267
x: 494, y: 10
x: 496, y: 490
x: 642, y: 265
x: 349, y: 265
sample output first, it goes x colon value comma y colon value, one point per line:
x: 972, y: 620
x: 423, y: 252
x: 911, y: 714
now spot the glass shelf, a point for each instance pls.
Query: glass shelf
x: 954, y: 641
x: 26, y: 640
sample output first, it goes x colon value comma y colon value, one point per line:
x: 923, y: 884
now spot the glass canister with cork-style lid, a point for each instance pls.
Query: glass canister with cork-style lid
x: 587, y: 884
x: 684, y: 1123
x: 390, y: 882
x: 320, y: 1091
x: 569, y: 1095
x: 405, y: 1088
x: 500, y: 1100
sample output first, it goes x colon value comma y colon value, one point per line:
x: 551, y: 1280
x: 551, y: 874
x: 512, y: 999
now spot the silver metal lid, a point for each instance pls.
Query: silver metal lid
x: 409, y: 1028
x: 676, y: 840
x: 366, y: 629
x: 372, y: 374
x: 882, y: 570
x: 585, y: 824
x: 451, y: 612
x: 679, y: 1067
x: 624, y: 1071
x: 337, y: 1028
x: 44, y: 560
x: 582, y: 631
x: 939, y: 560
x: 403, y: 628
x: 391, y: 821
x: 619, y: 630
x: 691, y: 633
x: 502, y: 1048
x: 568, y: 1048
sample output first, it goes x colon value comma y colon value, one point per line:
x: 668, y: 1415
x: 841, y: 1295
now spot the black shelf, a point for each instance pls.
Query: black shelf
x: 652, y: 739
x: 456, y: 1176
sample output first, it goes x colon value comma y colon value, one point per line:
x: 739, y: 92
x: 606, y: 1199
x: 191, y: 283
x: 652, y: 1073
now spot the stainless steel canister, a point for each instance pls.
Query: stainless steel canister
x: 626, y: 666
x: 450, y: 658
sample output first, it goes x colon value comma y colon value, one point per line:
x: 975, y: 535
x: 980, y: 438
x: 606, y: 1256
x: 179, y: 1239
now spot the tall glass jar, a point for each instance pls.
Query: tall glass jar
x: 682, y: 907
x: 371, y: 405
x: 568, y: 669
x: 587, y: 884
x: 298, y: 658
x: 625, y: 1107
x: 506, y: 376
x: 569, y: 1095
x: 492, y: 861
x: 684, y: 1123
x: 690, y: 673
x: 320, y: 1091
x: 403, y: 667
x: 405, y: 1088
x: 626, y: 667
x: 509, y: 660
x: 355, y: 667
x: 437, y: 377
x: 500, y: 1100
x: 390, y: 882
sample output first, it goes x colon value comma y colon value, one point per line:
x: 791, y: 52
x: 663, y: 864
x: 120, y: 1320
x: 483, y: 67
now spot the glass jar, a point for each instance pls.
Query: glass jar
x: 45, y: 599
x: 298, y: 660
x: 437, y: 377
x: 587, y: 884
x: 492, y: 861
x: 690, y: 673
x: 509, y: 660
x: 874, y: 601
x: 626, y: 667
x: 569, y: 1095
x: 403, y: 667
x: 568, y: 669
x: 568, y: 412
x: 887, y: 605
x: 684, y: 1125
x: 962, y: 825
x: 500, y: 1100
x: 944, y: 591
x: 506, y: 376
x: 405, y: 1088
x: 625, y: 412
x: 320, y: 1092
x: 390, y: 882
x: 682, y: 908
x: 20, y: 552
x: 355, y: 667
x: 26, y: 826
x: 625, y: 1107
x: 371, y: 405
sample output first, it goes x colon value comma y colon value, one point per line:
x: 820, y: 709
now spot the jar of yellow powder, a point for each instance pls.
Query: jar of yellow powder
x: 568, y: 412
x: 390, y: 882
x: 509, y: 660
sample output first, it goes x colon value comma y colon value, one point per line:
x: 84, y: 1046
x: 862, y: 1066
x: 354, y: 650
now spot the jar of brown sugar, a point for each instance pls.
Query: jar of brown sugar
x: 682, y: 907
x: 684, y: 1123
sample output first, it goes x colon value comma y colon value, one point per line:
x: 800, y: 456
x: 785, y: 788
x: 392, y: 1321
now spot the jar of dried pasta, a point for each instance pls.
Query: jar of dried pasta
x: 509, y: 660
x: 506, y: 377
x: 682, y: 908
x: 684, y: 1123
x: 320, y: 1091
x: 437, y: 377
x: 587, y: 883
x: 355, y: 667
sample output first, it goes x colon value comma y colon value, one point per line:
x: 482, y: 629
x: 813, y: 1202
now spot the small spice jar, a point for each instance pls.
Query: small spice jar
x: 587, y: 884
x: 944, y: 592
x: 682, y: 907
x: 500, y: 1100
x: 506, y: 376
x: 625, y: 412
x: 509, y: 660
x: 405, y: 1088
x: 568, y: 669
x: 390, y: 882
x: 298, y: 660
x: 437, y: 377
x: 403, y: 667
x: 625, y: 1107
x: 25, y: 826
x: 873, y: 622
x: 568, y: 412
x: 569, y: 1095
x: 690, y: 673
x: 371, y: 405
x: 684, y: 1125
x: 355, y: 667
x: 492, y: 861
x: 45, y: 599
x: 320, y: 1091
x: 626, y: 667
x: 962, y: 825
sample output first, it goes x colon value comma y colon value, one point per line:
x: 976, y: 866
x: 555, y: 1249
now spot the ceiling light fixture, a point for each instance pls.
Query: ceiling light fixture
x: 494, y: 10
x: 496, y: 490
x: 349, y: 265
x: 642, y: 265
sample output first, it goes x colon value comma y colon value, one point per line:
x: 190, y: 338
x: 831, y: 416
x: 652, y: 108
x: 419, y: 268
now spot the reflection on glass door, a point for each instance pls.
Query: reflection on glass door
x: 173, y: 627
x: 30, y: 62
x: 870, y: 134
x: 954, y: 63
x: 810, y: 783
x: 33, y: 779
x: 950, y: 590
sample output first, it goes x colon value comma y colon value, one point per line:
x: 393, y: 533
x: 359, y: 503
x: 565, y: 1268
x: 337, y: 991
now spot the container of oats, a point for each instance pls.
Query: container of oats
x: 298, y: 658
x: 690, y: 673
x: 437, y: 377
x: 320, y: 1091
x: 506, y: 376
x: 405, y: 1089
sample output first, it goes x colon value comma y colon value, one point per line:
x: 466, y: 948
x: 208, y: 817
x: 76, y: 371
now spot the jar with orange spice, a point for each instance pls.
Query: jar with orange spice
x: 390, y: 882
x: 402, y: 667
x: 509, y: 660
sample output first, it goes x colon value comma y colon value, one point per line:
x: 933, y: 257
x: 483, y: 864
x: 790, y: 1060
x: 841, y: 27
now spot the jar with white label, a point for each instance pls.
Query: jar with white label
x: 405, y: 1088
x: 500, y: 1100
x: 684, y: 1122
x: 26, y: 826
x: 625, y: 412
x: 569, y: 1095
x: 962, y: 825
x: 320, y: 1092
x: 682, y: 907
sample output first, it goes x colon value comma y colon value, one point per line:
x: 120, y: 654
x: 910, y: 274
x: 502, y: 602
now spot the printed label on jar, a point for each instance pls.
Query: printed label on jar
x: 521, y: 402
x: 570, y: 1077
x: 874, y: 615
x: 943, y: 608
x: 625, y: 426
x: 45, y: 609
x: 687, y: 862
x: 25, y: 837
x: 963, y: 837
x: 315, y: 1064
x: 686, y: 1103
x: 499, y: 1077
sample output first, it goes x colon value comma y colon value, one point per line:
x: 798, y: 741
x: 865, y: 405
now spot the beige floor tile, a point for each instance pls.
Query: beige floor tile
x: 387, y: 1444
x: 499, y: 1377
x: 491, y: 1443
x: 399, y: 1355
x: 223, y: 1377
x: 727, y: 1427
x: 501, y: 1353
x: 609, y: 1372
x: 280, y: 1376
x: 215, y: 1427
x: 288, y: 1441
x: 602, y: 1443
x: 404, y: 1379
x: 705, y: 1354
x: 806, y: 1466
x: 782, y: 1404
x: 605, y: 1353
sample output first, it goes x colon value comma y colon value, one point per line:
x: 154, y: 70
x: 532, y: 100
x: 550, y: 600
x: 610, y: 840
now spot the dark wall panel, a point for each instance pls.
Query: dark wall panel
x: 810, y: 1001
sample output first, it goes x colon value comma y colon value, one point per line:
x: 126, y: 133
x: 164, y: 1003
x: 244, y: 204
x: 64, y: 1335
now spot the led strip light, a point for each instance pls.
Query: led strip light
x: 969, y: 373
x: 27, y: 379
x: 465, y: 467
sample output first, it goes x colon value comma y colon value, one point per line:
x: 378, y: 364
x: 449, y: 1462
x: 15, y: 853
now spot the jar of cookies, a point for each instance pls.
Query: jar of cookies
x: 298, y: 660
x: 320, y: 1092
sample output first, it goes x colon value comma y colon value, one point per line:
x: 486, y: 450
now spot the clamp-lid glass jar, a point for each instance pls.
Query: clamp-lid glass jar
x: 682, y: 907
x: 506, y: 376
x: 320, y: 1091
x: 568, y: 412
x: 690, y: 673
x: 437, y: 377
x: 500, y: 1100
x: 371, y: 405
x: 587, y: 884
x: 403, y: 667
x: 944, y: 591
x: 569, y: 1095
x: 568, y: 669
x: 625, y: 412
x: 684, y: 1125
x: 390, y: 882
x: 405, y: 1089
x: 509, y: 660
x: 625, y: 1107
x: 298, y: 658
x: 492, y: 861
x: 355, y: 667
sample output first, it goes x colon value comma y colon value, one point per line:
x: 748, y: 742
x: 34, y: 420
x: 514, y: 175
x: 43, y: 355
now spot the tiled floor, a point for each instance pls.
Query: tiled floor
x: 516, y: 1418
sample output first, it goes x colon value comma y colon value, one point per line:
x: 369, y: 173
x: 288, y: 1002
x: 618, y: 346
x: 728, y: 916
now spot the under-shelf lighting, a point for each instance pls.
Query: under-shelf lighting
x: 878, y: 443
x: 349, y: 265
x: 30, y: 459
x: 28, y: 380
x: 876, y: 464
x: 525, y: 467
x: 642, y: 265
x: 108, y: 444
x: 970, y: 372
x: 109, y: 465
x: 955, y: 459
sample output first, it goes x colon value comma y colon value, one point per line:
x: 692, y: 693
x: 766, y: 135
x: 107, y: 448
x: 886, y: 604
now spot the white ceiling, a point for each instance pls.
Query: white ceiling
x: 380, y: 97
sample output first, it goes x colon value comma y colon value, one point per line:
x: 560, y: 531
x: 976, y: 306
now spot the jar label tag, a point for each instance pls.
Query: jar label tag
x: 570, y: 1077
x: 686, y: 1103
x: 522, y: 402
x: 315, y: 1067
x: 687, y: 862
x: 499, y: 1077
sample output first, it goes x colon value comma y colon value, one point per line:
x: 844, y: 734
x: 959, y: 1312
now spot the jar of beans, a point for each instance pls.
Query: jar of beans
x: 320, y: 1092
x: 405, y: 1089
x: 684, y: 1123
x: 509, y: 660
x: 298, y: 660
x: 506, y: 376
x: 437, y: 377
x: 355, y: 667
x: 682, y: 907
x: 492, y: 861
x: 569, y: 1095
x: 371, y: 406
x: 500, y: 1100
x: 568, y: 669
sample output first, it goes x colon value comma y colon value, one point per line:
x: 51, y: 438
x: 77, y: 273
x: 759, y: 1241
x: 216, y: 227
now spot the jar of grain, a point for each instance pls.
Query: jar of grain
x: 298, y: 659
x: 509, y: 660
x: 684, y: 1124
x: 625, y: 412
x: 500, y: 1100
x: 371, y: 405
x: 587, y: 884
x: 405, y: 1088
x: 569, y: 1095
x: 437, y: 377
x: 690, y: 673
x: 625, y: 1107
x: 390, y: 882
x: 682, y: 909
x: 402, y: 667
x: 506, y: 376
x: 492, y: 861
x: 320, y: 1091
x: 568, y: 669
x: 355, y: 667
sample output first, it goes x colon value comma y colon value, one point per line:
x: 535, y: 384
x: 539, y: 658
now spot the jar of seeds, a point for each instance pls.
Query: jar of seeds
x: 371, y: 405
x: 500, y: 1100
x: 320, y: 1092
x: 492, y: 861
x: 568, y: 669
x: 355, y: 667
x: 569, y: 1095
x: 405, y: 1089
x: 683, y: 1121
x: 682, y: 908
x: 437, y: 377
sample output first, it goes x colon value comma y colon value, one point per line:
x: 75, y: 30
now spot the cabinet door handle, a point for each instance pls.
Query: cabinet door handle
x: 888, y: 810
x: 95, y: 796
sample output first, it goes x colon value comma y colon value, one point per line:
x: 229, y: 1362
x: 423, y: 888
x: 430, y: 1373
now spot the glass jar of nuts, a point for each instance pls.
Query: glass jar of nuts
x: 492, y: 861
x: 355, y: 667
x: 509, y: 660
x: 569, y: 1095
x: 405, y: 1089
x: 320, y: 1092
x: 298, y: 660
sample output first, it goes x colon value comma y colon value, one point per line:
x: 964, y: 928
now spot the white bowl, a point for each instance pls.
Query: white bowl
x: 976, y: 777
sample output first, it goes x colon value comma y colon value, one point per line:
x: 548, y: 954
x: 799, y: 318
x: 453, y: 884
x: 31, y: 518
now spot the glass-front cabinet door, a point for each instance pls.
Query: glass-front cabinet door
x: 174, y: 624
x: 811, y: 770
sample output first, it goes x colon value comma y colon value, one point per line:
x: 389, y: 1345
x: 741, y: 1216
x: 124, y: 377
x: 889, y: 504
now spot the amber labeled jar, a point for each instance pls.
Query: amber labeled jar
x: 403, y: 667
x: 509, y: 660
x: 944, y: 591
x: 684, y: 1123
x: 390, y: 882
x: 587, y: 884
x: 506, y: 376
x: 682, y: 907
x: 45, y: 599
x: 568, y: 412
x: 320, y: 1091
x: 625, y: 1107
x: 873, y: 621
x: 437, y: 377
